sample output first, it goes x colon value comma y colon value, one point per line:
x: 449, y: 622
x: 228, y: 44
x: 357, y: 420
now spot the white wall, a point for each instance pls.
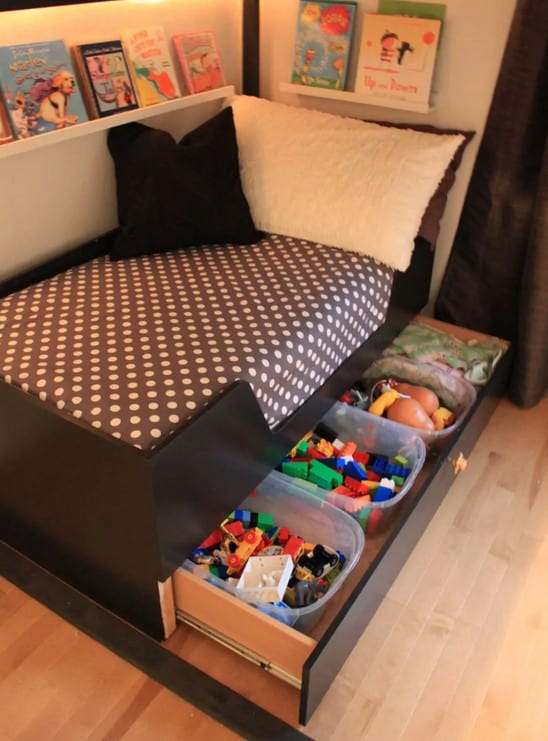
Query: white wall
x: 474, y: 36
x: 56, y: 197
x: 59, y: 196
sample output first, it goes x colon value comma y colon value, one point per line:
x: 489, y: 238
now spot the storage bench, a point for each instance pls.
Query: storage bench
x: 304, y: 665
x: 309, y: 662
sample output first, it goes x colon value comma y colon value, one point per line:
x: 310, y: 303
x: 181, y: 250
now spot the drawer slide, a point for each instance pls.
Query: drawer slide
x: 239, y: 649
x: 266, y: 642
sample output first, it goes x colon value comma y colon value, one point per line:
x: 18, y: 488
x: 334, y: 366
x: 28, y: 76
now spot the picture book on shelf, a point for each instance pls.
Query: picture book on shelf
x: 105, y: 79
x: 199, y: 60
x: 396, y: 57
x: 409, y: 7
x: 322, y: 44
x: 5, y: 128
x: 150, y: 64
x: 39, y: 88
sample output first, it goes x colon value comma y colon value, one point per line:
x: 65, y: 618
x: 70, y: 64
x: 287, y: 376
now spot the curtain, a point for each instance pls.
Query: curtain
x: 496, y: 280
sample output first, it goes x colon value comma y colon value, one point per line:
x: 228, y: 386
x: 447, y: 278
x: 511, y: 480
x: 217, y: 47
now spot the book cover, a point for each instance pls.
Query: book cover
x: 199, y: 60
x: 39, y: 88
x: 5, y: 128
x: 408, y: 7
x: 105, y: 79
x: 322, y: 44
x: 396, y: 57
x: 150, y: 64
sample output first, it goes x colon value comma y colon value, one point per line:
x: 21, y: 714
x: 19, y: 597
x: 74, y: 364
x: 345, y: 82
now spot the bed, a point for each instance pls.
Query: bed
x: 173, y: 380
x: 148, y: 387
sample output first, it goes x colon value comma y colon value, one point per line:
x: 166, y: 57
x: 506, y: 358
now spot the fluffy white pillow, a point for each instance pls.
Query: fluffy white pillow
x: 336, y: 180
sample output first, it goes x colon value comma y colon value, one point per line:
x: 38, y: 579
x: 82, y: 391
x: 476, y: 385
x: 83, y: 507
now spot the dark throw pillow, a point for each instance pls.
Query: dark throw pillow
x: 173, y: 195
x: 430, y: 224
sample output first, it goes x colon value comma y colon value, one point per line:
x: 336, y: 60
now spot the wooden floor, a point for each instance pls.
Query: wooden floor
x: 458, y: 651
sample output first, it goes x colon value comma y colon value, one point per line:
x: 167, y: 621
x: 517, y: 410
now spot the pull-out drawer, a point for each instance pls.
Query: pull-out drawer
x: 308, y: 662
x: 269, y: 643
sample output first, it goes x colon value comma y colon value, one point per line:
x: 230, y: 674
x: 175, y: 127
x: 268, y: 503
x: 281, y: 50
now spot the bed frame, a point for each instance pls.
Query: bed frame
x: 116, y: 529
x: 82, y: 538
x: 91, y: 526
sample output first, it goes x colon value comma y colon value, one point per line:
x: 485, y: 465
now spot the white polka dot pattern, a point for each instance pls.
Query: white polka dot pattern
x: 136, y: 348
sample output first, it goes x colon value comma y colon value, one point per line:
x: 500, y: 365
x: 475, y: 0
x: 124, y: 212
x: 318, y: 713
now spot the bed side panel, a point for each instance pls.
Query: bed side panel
x: 79, y: 505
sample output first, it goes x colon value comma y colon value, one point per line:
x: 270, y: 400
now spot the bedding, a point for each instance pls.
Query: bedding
x: 177, y: 194
x: 136, y: 348
x: 430, y: 225
x: 353, y: 184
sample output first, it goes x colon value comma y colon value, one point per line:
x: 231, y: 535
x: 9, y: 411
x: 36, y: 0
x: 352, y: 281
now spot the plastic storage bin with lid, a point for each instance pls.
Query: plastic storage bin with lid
x: 453, y: 392
x: 384, y: 442
x: 315, y: 521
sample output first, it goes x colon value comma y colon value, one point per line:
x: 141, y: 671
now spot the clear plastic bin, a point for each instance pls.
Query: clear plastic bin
x: 371, y: 434
x: 315, y: 521
x: 454, y: 392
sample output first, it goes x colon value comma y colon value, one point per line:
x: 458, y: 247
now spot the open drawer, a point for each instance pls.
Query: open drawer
x: 230, y: 687
x: 308, y: 662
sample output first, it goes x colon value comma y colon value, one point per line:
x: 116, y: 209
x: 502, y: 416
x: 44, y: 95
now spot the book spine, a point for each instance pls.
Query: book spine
x: 183, y: 65
x: 131, y: 69
x: 86, y: 86
x: 6, y: 135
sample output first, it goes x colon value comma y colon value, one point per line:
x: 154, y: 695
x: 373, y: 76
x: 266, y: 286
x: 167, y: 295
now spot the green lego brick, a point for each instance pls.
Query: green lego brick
x: 298, y: 470
x: 322, y: 482
x: 318, y: 470
x: 362, y: 516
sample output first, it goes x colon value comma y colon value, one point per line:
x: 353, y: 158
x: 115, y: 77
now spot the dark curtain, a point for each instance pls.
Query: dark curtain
x: 496, y: 279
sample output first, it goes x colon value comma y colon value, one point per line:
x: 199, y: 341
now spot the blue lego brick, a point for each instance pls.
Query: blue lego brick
x: 252, y: 519
x: 382, y: 494
x: 355, y: 471
x: 331, y: 462
x: 379, y: 465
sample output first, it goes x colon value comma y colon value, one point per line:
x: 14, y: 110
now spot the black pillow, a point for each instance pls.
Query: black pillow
x: 176, y: 195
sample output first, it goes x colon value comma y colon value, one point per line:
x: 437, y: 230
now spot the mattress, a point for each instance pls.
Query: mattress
x: 136, y: 348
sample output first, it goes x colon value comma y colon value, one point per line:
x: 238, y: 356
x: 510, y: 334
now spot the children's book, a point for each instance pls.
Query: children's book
x: 322, y: 44
x: 5, y: 128
x: 409, y: 7
x: 104, y: 75
x: 396, y: 58
x: 199, y: 60
x: 150, y: 64
x: 39, y: 88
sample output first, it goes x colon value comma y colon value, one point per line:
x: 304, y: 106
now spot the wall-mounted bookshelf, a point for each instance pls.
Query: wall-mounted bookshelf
x: 346, y: 96
x: 101, y: 124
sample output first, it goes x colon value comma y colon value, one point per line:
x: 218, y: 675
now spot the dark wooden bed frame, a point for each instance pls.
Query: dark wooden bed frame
x: 114, y: 521
x: 90, y: 525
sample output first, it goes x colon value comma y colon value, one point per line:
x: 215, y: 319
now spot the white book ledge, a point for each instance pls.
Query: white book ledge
x: 108, y: 122
x: 347, y: 96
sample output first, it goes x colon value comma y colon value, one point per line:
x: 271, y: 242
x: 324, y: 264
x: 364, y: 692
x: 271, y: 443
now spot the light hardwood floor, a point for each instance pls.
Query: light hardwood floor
x: 458, y: 651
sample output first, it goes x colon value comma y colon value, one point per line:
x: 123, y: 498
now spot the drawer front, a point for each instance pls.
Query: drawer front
x: 427, y: 494
x: 241, y: 627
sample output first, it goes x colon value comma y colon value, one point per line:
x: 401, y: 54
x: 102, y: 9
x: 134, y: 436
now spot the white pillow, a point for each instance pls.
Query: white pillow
x: 336, y: 180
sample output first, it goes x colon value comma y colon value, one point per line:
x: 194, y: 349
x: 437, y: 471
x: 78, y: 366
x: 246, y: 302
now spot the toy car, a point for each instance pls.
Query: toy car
x: 317, y: 563
x: 249, y: 543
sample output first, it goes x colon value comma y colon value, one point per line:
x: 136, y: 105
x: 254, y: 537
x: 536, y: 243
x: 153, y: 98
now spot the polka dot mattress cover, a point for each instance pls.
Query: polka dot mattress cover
x: 136, y: 348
